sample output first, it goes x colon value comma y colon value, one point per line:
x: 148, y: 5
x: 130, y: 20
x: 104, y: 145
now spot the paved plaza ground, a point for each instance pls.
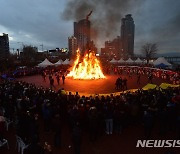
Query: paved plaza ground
x: 101, y: 86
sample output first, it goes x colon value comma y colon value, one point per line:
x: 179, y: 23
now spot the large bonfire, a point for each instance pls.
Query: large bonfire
x: 89, y: 68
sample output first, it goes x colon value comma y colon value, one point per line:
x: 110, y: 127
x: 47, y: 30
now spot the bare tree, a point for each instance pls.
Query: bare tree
x: 149, y: 50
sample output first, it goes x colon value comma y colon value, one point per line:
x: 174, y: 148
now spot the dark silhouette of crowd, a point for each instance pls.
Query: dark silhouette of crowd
x: 26, y: 105
x: 121, y: 84
x: 150, y: 72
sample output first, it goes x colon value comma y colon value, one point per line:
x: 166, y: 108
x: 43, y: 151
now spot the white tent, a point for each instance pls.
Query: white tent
x: 45, y: 63
x: 161, y: 60
x: 60, y: 62
x: 121, y: 61
x: 113, y: 61
x: 129, y: 61
x: 150, y: 61
x: 66, y: 62
x: 138, y: 61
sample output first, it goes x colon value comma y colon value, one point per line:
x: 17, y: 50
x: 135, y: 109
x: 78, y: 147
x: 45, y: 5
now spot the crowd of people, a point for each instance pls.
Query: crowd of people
x: 58, y: 75
x: 27, y: 106
x: 169, y: 75
x: 121, y: 84
x: 30, y: 71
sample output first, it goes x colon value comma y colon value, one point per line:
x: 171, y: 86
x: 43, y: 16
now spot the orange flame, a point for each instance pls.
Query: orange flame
x: 89, y: 68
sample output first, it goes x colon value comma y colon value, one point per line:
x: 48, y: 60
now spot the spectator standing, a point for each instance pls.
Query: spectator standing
x: 58, y: 79
x: 124, y: 87
x: 2, y: 126
x: 138, y: 79
x: 93, y: 123
x: 52, y: 84
x: 109, y: 118
x: 63, y: 78
x: 76, y: 138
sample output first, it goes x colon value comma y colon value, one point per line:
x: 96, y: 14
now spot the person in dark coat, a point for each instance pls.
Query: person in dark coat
x: 93, y: 123
x: 117, y: 82
x: 63, y: 78
x: 35, y: 147
x: 124, y: 84
x: 148, y: 123
x: 108, y: 113
x: 57, y: 130
x: 76, y: 138
x: 58, y: 79
x: 2, y: 126
x: 52, y: 84
x: 138, y: 79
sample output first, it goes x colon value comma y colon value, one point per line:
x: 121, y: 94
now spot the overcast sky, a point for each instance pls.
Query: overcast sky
x: 50, y: 22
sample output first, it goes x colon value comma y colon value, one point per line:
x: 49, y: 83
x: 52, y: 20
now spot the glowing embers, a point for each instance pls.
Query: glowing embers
x: 89, y: 68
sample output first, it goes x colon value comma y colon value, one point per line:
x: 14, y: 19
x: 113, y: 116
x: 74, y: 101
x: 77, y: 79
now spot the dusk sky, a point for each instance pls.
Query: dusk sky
x: 50, y: 22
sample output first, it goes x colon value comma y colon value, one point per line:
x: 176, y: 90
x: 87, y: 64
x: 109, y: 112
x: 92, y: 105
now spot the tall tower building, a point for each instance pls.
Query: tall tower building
x: 112, y: 48
x: 72, y: 43
x: 4, y: 45
x: 127, y: 35
x: 82, y: 34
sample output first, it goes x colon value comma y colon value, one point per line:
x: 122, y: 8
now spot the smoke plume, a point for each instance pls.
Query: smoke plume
x: 106, y: 16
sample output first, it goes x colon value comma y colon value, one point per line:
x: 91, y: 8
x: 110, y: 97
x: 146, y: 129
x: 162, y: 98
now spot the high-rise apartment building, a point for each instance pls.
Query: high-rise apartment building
x: 112, y: 48
x: 72, y: 43
x: 127, y: 35
x: 4, y: 45
x: 82, y: 34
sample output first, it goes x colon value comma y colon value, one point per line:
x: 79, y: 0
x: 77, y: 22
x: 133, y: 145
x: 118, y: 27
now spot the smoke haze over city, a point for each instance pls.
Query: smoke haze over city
x: 51, y: 22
